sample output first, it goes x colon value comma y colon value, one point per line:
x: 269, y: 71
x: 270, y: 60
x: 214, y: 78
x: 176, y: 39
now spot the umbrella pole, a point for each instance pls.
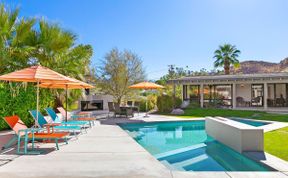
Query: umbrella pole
x: 66, y: 103
x: 37, y: 103
x: 146, y: 114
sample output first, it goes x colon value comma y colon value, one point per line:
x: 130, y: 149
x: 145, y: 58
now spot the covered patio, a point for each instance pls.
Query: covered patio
x: 267, y: 91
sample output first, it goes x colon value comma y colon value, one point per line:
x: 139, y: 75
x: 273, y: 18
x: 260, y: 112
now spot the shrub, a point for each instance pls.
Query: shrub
x: 18, y: 100
x: 151, y: 103
x: 165, y: 103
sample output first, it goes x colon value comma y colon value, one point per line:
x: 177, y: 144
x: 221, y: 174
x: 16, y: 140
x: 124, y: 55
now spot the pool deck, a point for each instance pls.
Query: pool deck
x: 108, y: 151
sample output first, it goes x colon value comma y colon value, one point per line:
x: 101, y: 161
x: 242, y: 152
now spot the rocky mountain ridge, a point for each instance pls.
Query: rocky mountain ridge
x: 250, y: 67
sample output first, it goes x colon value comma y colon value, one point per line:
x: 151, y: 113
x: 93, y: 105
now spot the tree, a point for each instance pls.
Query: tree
x: 225, y: 56
x: 118, y: 71
x: 55, y: 48
x: 22, y: 45
x: 14, y: 36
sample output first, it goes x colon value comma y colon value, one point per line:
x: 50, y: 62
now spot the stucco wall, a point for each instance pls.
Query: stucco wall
x: 241, y: 137
x: 244, y: 91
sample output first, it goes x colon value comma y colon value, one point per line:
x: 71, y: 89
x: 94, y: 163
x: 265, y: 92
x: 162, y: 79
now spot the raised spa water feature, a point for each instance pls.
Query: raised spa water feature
x: 185, y: 145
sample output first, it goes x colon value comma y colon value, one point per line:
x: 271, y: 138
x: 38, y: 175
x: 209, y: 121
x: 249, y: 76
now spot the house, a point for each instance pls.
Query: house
x: 267, y: 91
x: 95, y: 102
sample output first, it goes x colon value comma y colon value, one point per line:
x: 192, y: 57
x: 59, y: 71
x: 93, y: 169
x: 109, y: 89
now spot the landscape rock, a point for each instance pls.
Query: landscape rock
x: 177, y: 112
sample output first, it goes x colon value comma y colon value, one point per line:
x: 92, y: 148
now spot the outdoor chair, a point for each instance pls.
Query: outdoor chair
x: 129, y: 103
x: 42, y: 122
x: 240, y: 101
x: 122, y: 111
x: 111, y: 108
x: 57, y: 119
x: 136, y: 107
x: 256, y: 101
x: 280, y: 102
x: 23, y: 133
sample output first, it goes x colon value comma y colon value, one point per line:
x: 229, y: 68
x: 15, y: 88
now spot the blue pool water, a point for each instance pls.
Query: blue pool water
x: 186, y: 146
x: 250, y: 122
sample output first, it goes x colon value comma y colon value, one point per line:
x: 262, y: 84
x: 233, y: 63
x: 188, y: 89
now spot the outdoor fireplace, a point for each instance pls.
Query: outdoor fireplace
x: 92, y: 105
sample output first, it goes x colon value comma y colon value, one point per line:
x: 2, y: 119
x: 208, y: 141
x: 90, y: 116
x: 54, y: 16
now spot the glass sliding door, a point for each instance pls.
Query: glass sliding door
x: 277, y: 95
x: 257, y: 94
x: 194, y: 94
x: 223, y: 93
x: 218, y: 95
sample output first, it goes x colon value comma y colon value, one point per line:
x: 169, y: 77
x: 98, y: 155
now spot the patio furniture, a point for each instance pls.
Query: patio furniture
x: 36, y: 74
x: 41, y: 122
x: 23, y: 133
x: 270, y: 102
x: 129, y: 103
x: 57, y: 119
x: 122, y: 111
x: 79, y: 117
x: 240, y: 101
x: 136, y: 107
x: 72, y: 84
x: 256, y: 101
x: 280, y: 102
x: 111, y: 108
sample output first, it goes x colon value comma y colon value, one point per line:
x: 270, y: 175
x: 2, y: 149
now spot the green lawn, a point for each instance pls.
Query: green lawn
x: 200, y: 112
x: 275, y: 143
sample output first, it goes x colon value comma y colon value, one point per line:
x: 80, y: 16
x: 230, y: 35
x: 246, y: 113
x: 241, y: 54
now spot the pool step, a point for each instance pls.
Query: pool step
x: 179, y: 151
x: 191, y: 161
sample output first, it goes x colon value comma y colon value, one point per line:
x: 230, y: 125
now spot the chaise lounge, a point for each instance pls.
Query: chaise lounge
x: 23, y: 133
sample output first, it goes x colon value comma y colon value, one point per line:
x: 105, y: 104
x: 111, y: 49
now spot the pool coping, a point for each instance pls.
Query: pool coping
x: 280, y: 166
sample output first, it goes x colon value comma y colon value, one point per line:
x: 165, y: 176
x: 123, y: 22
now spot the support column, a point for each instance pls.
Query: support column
x: 234, y: 96
x: 201, y: 95
x: 265, y: 95
x: 174, y: 95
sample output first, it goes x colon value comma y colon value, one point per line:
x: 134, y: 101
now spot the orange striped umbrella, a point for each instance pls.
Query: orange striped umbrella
x: 74, y: 84
x: 146, y: 86
x: 37, y: 74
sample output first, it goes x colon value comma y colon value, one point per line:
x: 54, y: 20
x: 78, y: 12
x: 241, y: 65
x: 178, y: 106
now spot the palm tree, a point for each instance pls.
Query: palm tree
x: 22, y: 45
x: 56, y: 49
x: 225, y: 56
x: 14, y: 34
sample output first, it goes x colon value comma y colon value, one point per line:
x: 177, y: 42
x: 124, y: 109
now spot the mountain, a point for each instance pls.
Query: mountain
x: 249, y: 67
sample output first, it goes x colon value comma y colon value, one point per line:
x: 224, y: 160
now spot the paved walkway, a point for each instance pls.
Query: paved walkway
x: 106, y: 151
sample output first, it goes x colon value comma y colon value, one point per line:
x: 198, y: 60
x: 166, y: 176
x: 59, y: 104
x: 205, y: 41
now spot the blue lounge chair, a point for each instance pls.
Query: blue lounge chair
x: 57, y: 119
x: 42, y: 121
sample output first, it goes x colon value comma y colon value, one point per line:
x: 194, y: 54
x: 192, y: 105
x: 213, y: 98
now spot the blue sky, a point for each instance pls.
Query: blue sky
x: 163, y: 32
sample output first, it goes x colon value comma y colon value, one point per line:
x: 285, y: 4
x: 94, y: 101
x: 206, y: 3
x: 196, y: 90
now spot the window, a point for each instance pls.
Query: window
x: 218, y: 95
x: 277, y: 95
x: 257, y: 94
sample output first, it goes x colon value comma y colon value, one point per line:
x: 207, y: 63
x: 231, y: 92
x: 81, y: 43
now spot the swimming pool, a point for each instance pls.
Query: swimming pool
x: 250, y: 122
x: 186, y: 146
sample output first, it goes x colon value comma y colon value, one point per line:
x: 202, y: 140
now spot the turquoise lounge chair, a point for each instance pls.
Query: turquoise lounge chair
x: 57, y: 119
x: 42, y: 121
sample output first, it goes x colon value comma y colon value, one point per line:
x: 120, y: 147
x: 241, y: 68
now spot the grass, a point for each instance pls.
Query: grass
x: 201, y: 112
x: 275, y: 143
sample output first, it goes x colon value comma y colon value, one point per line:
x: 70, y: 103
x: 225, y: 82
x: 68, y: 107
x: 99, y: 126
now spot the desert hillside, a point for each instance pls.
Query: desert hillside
x: 248, y: 67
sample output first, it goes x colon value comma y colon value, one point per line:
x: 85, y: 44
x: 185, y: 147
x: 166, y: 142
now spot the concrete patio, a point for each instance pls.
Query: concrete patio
x: 106, y: 151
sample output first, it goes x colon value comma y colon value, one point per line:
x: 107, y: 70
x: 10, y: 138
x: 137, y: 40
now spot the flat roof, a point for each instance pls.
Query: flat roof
x: 233, y: 77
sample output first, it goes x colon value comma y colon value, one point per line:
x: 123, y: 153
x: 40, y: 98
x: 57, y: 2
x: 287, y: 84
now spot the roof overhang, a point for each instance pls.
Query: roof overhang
x: 239, y: 78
